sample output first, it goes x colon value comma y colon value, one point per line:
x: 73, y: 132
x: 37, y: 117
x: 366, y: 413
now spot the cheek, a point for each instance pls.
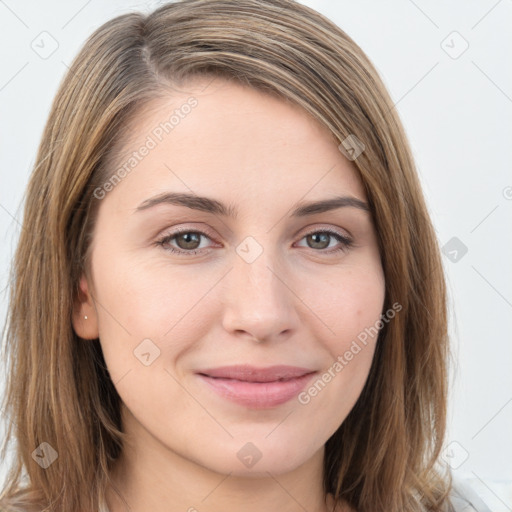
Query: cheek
x: 348, y: 303
x: 350, y: 308
x: 144, y: 309
x: 144, y: 300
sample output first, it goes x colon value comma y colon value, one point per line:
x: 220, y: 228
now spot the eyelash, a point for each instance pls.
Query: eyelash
x: 346, y: 243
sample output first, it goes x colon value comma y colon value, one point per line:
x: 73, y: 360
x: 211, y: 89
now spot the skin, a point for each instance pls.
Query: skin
x: 295, y: 304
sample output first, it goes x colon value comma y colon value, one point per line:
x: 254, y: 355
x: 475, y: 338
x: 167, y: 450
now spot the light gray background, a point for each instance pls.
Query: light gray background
x: 456, y: 105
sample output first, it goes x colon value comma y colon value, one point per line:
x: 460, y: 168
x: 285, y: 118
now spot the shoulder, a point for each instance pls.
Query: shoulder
x: 464, y: 499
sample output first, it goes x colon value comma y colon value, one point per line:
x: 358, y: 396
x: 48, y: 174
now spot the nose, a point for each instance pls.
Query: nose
x: 259, y: 304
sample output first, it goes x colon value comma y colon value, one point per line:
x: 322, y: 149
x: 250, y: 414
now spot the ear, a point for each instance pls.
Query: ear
x: 86, y: 328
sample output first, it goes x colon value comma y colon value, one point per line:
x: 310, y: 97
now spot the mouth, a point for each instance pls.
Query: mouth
x: 257, y: 388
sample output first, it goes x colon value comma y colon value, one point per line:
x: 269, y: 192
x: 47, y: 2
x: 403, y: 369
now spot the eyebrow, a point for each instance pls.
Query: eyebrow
x: 206, y: 204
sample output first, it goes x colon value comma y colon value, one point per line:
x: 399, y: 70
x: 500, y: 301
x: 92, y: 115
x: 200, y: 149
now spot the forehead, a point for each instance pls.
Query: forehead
x: 215, y: 136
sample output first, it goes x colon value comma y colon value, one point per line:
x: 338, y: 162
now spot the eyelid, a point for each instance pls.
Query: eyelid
x: 178, y: 231
x: 187, y: 229
x: 319, y: 226
x: 324, y: 229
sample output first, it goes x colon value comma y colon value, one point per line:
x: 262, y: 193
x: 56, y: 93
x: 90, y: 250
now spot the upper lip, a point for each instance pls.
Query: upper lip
x: 249, y: 373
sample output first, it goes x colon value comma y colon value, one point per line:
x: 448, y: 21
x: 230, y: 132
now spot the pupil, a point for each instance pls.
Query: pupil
x: 191, y: 240
x: 319, y: 238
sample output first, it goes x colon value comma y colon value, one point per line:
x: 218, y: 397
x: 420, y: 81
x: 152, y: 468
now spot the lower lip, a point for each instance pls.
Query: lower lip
x: 258, y: 395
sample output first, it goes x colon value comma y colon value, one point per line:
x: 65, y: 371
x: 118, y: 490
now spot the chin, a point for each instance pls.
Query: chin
x: 257, y: 459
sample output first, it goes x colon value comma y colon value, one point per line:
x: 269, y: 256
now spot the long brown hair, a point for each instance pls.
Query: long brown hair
x: 384, y: 455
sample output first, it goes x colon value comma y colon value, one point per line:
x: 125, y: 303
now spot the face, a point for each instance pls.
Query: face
x: 230, y: 324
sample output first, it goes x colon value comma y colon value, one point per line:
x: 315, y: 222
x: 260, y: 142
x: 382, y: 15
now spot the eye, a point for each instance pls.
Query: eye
x: 187, y: 241
x: 322, y: 239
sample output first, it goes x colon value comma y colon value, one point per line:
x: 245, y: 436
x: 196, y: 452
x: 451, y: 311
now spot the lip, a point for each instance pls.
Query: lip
x: 257, y: 388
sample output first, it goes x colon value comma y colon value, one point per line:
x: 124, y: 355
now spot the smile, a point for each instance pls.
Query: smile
x: 257, y: 388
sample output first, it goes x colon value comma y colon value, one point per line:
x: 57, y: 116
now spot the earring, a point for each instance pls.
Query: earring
x: 85, y: 317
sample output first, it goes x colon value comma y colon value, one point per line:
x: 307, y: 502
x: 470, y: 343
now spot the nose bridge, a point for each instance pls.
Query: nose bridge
x: 258, y: 278
x: 257, y: 300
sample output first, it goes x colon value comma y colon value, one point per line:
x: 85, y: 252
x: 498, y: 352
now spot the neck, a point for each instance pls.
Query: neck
x: 150, y: 476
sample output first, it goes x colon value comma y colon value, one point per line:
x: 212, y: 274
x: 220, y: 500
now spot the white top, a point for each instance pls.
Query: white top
x: 464, y: 499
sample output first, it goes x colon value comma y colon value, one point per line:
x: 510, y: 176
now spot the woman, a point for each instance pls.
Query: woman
x: 228, y: 294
